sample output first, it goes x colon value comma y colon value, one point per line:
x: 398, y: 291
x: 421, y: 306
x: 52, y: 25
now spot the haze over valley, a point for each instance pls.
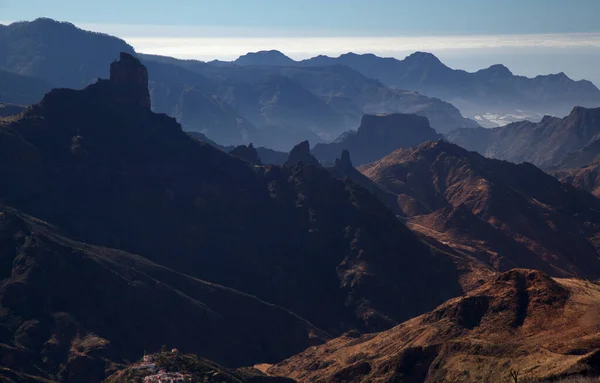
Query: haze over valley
x: 300, y: 191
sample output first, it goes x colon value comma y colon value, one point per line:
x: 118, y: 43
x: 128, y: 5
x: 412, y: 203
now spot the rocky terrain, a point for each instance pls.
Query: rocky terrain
x: 522, y: 325
x: 586, y: 177
x: 271, y: 106
x: 505, y: 215
x: 75, y: 312
x: 377, y: 136
x: 545, y: 144
x: 104, y: 170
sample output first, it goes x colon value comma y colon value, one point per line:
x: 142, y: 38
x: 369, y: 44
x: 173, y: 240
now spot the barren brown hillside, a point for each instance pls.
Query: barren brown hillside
x: 522, y: 321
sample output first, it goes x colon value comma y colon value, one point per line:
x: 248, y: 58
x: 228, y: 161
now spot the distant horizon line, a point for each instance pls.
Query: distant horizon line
x: 168, y: 40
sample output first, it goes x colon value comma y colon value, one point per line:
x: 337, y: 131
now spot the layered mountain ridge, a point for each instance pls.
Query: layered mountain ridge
x: 105, y: 170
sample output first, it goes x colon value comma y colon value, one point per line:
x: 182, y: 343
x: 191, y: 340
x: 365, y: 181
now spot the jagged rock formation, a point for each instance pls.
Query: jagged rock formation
x: 131, y: 77
x: 119, y: 175
x: 522, y: 321
x: 301, y: 154
x: 248, y: 153
x: 378, y: 136
x: 343, y: 168
x: 503, y: 214
x: 545, y: 144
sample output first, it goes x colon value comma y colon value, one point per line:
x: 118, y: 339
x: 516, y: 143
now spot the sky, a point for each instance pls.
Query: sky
x: 529, y: 36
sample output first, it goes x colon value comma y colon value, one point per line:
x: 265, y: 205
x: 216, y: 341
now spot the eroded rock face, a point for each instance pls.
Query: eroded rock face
x: 378, y: 136
x: 130, y: 75
x: 301, y: 153
x: 248, y: 153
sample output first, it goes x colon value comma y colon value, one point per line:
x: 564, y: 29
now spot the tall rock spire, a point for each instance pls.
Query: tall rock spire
x: 132, y: 77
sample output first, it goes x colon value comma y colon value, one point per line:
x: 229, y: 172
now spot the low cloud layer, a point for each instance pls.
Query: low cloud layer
x: 224, y: 48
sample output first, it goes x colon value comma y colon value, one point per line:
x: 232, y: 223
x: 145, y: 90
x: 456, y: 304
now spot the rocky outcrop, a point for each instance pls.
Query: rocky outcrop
x: 248, y: 153
x: 118, y: 175
x: 378, y: 136
x: 132, y: 79
x: 343, y: 169
x: 301, y: 154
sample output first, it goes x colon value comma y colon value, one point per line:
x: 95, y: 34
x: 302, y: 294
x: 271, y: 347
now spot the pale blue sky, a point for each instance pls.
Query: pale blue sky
x: 529, y: 36
x: 346, y: 16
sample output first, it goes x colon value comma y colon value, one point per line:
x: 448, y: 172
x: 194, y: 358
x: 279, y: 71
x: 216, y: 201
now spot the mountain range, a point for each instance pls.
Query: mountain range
x: 553, y: 142
x: 142, y: 212
x: 270, y: 106
x: 502, y: 214
x: 106, y: 171
x: 493, y: 96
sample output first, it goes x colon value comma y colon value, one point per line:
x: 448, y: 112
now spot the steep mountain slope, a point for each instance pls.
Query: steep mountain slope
x: 482, y: 94
x: 544, y: 144
x: 18, y: 89
x: 74, y: 312
x: 377, y: 136
x: 343, y: 168
x: 522, y: 321
x: 586, y: 177
x: 589, y: 154
x: 504, y: 214
x: 106, y: 170
x: 59, y: 53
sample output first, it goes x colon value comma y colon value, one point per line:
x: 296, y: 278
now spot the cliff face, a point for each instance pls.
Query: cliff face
x: 378, y: 136
x: 301, y: 154
x: 132, y: 78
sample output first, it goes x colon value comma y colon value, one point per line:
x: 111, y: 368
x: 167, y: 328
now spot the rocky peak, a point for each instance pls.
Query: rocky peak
x: 423, y: 57
x: 301, y: 153
x: 344, y: 161
x: 248, y: 153
x: 272, y: 57
x: 498, y: 70
x: 129, y: 74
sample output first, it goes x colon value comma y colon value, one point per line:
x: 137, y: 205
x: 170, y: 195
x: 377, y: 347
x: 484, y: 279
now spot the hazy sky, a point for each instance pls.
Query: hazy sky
x: 529, y: 36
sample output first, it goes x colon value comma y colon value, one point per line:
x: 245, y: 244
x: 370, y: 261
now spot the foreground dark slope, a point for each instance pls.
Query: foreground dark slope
x: 74, y: 312
x: 521, y: 321
x: 546, y: 144
x: 106, y: 170
x: 504, y: 214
